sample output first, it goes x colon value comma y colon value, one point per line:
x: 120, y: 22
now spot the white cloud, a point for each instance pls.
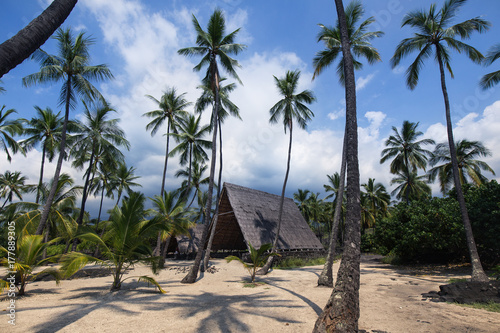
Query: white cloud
x: 334, y: 115
x: 362, y: 82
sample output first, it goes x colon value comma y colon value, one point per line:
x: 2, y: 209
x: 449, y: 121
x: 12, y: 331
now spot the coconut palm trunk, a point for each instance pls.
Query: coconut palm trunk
x: 216, y: 214
x: 57, y: 172
x: 269, y: 261
x: 15, y: 50
x: 193, y: 272
x: 341, y: 313
x: 166, y: 161
x: 326, y: 277
x: 478, y: 273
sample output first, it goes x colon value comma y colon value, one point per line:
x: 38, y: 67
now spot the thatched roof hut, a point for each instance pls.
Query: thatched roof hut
x: 251, y: 216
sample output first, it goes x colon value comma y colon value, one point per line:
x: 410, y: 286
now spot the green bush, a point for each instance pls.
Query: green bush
x: 369, y: 243
x: 55, y: 249
x: 293, y: 262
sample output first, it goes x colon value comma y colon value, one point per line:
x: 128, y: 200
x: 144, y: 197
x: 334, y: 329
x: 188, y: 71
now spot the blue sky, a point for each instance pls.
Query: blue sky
x: 139, y: 40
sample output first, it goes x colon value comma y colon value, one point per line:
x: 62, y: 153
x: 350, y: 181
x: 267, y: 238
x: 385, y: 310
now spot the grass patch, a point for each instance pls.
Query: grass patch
x: 289, y: 263
x: 456, y: 280
x: 491, y: 306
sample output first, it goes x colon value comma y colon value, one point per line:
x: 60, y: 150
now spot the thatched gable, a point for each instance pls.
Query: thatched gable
x: 251, y: 216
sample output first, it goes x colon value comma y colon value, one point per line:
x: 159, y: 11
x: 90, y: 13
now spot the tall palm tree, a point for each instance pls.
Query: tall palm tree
x: 292, y: 107
x: 191, y: 145
x: 212, y: 45
x: 489, y: 80
x: 377, y: 197
x: 197, y: 179
x: 171, y: 108
x: 468, y: 166
x: 342, y: 309
x: 406, y: 150
x: 359, y: 45
x: 300, y: 198
x: 72, y: 67
x: 359, y: 39
x: 411, y: 186
x: 9, y: 128
x: 19, y: 47
x: 45, y: 129
x: 123, y: 179
x: 98, y: 140
x: 226, y: 108
x: 436, y: 34
x: 170, y: 211
x: 13, y: 184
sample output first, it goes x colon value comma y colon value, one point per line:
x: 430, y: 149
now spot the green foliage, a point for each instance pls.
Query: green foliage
x: 368, y: 243
x: 258, y: 258
x: 53, y: 250
x: 291, y: 262
x: 428, y: 230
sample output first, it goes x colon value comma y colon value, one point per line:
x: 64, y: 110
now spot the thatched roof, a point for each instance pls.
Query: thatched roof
x: 185, y: 243
x: 251, y: 216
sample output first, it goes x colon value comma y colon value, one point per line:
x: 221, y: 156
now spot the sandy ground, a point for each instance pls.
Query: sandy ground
x: 290, y: 301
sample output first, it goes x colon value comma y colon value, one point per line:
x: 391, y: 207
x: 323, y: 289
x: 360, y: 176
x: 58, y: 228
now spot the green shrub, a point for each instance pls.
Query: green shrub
x: 294, y: 262
x: 55, y: 249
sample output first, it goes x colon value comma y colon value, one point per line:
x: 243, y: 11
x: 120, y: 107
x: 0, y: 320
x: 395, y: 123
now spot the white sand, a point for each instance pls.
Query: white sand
x: 290, y: 301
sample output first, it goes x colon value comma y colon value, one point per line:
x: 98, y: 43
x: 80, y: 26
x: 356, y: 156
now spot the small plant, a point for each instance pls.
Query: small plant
x: 258, y: 258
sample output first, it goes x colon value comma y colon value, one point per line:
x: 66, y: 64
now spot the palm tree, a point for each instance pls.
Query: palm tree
x: 300, y: 198
x: 197, y: 179
x: 191, y: 145
x: 359, y: 45
x: 468, y: 166
x: 359, y: 39
x: 123, y: 179
x: 434, y: 31
x: 97, y: 142
x: 342, y: 309
x: 71, y: 66
x: 377, y: 198
x: 226, y: 108
x: 411, y: 186
x: 125, y: 244
x: 19, y: 47
x: 212, y: 44
x: 291, y: 108
x: 489, y: 80
x: 170, y: 210
x: 12, y: 184
x: 45, y: 129
x: 171, y: 108
x: 405, y: 150
x: 9, y: 128
x: 258, y: 257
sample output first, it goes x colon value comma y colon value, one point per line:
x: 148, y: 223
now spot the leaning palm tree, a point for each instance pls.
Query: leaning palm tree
x: 72, y: 67
x: 436, y: 34
x: 491, y: 79
x: 293, y: 107
x: 226, y: 108
x: 212, y: 45
x: 342, y: 309
x: 359, y: 44
x: 171, y: 108
x: 98, y: 141
x: 9, y: 128
x: 469, y: 167
x: 45, y: 129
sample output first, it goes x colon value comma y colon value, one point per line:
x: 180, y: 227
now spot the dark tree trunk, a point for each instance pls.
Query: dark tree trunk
x: 166, y: 161
x: 86, y: 187
x: 326, y: 277
x: 216, y: 214
x: 27, y: 40
x: 341, y: 313
x: 40, y: 182
x: 269, y: 262
x: 477, y: 269
x: 45, y: 240
x: 193, y: 272
x: 164, y: 252
x: 62, y: 153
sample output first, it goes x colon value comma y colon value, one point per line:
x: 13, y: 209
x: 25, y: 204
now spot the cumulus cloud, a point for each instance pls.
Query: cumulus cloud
x: 362, y: 82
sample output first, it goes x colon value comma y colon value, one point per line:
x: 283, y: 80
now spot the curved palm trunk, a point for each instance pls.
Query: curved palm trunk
x: 341, y: 313
x: 166, y: 161
x: 407, y: 194
x: 477, y: 269
x: 326, y: 277
x: 269, y: 262
x: 62, y: 153
x: 216, y: 214
x: 193, y: 272
x: 27, y: 40
x: 40, y: 182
